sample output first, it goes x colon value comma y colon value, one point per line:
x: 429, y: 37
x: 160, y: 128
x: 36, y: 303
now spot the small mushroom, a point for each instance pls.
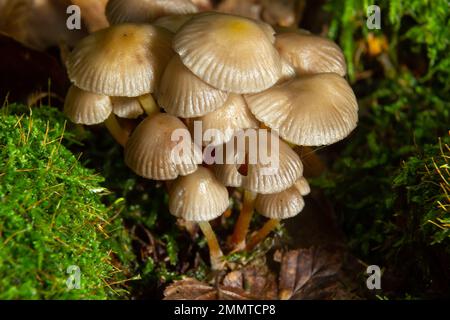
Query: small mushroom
x: 311, y: 110
x: 200, y: 197
x: 126, y: 107
x: 231, y: 53
x: 183, y: 94
x: 310, y: 54
x: 232, y: 117
x: 151, y: 151
x: 83, y: 107
x: 124, y: 60
x: 145, y: 11
x: 259, y: 177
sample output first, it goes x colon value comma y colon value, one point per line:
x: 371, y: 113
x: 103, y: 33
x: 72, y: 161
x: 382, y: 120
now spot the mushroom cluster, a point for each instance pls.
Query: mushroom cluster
x: 212, y: 95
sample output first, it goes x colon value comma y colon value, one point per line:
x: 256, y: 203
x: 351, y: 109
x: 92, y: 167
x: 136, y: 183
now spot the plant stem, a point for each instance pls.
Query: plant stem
x: 118, y: 133
x: 262, y: 233
x: 148, y: 104
x: 215, y: 252
x: 243, y: 222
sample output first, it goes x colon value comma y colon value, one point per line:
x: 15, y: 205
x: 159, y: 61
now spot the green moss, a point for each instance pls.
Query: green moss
x: 382, y: 180
x: 52, y: 215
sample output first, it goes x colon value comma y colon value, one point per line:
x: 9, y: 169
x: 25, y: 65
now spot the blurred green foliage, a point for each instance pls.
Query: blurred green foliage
x: 382, y: 180
x: 52, y: 215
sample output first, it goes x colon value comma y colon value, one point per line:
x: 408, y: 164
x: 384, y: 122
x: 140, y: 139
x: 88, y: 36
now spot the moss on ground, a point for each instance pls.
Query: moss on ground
x: 52, y: 215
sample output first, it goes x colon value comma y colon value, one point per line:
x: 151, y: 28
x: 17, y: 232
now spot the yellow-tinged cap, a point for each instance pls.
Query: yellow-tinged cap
x: 231, y: 53
x: 87, y: 108
x: 311, y: 110
x: 123, y: 60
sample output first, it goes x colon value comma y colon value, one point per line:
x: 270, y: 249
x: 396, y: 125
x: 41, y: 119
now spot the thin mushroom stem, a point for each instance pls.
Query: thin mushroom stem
x: 262, y: 233
x: 243, y: 222
x: 149, y: 105
x: 215, y: 252
x: 118, y: 133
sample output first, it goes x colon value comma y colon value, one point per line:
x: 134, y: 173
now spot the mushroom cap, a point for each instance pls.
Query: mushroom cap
x: 145, y: 11
x: 287, y: 71
x: 231, y: 53
x: 183, y: 94
x: 233, y: 116
x: 198, y: 196
x: 124, y: 60
x: 310, y: 54
x: 83, y: 107
x: 311, y: 110
x: 282, y: 205
x: 125, y: 107
x: 302, y: 186
x: 173, y: 23
x: 263, y: 176
x: 149, y: 151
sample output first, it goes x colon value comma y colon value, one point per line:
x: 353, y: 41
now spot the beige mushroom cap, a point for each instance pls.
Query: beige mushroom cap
x: 87, y: 108
x: 231, y: 53
x: 282, y: 205
x: 173, y: 23
x: 183, y: 94
x: 124, y: 107
x: 198, y: 196
x: 302, y: 186
x: 150, y: 150
x: 312, y: 110
x: 233, y: 116
x: 262, y: 176
x: 145, y: 11
x: 310, y: 54
x: 124, y: 60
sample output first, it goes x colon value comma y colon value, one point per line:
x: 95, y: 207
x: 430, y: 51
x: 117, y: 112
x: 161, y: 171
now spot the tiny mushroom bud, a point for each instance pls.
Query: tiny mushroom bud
x: 260, y: 177
x: 154, y: 150
x: 311, y: 110
x: 183, y: 94
x: 231, y: 53
x: 145, y: 11
x: 198, y: 196
x: 232, y: 117
x: 124, y: 107
x: 83, y: 107
x: 310, y: 54
x: 124, y: 60
x: 282, y: 205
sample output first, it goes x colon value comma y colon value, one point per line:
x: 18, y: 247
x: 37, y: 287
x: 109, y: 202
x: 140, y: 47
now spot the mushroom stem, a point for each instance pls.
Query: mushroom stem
x: 243, y: 222
x: 215, y: 252
x: 148, y: 104
x: 118, y: 133
x: 262, y: 233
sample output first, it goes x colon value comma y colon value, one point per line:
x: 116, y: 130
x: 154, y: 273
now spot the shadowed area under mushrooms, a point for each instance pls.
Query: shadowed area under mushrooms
x: 172, y: 113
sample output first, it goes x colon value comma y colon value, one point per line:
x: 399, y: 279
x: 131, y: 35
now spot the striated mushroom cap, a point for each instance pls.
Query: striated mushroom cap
x: 150, y: 151
x: 83, y: 107
x: 124, y: 60
x: 145, y: 11
x: 183, y: 94
x: 264, y: 174
x: 310, y: 54
x: 198, y: 196
x: 232, y: 117
x: 311, y: 110
x: 282, y: 205
x: 231, y: 53
x: 173, y: 23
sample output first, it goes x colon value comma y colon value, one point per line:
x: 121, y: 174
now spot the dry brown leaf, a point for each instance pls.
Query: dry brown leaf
x: 190, y: 289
